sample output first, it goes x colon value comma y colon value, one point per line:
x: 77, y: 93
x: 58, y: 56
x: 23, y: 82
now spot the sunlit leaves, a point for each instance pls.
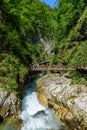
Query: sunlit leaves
x: 68, y: 14
x: 6, y: 1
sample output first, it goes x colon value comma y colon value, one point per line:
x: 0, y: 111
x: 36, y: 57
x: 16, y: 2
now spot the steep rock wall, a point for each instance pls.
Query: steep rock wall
x: 69, y: 101
x: 9, y: 104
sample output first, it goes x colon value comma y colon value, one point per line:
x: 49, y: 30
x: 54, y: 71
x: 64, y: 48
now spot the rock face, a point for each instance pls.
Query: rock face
x: 69, y: 101
x: 42, y: 94
x: 9, y: 104
x: 47, y: 45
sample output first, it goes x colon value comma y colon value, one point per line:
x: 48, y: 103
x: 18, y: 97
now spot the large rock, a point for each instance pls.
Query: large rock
x: 9, y: 104
x: 69, y: 101
x: 41, y: 94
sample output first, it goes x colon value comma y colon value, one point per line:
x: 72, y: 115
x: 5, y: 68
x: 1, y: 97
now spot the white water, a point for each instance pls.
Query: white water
x: 34, y: 115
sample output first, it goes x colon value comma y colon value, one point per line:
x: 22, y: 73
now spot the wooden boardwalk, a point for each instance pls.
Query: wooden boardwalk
x: 44, y: 66
x: 50, y: 68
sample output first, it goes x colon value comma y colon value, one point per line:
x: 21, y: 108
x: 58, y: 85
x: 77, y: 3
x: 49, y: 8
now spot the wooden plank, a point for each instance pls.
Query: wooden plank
x: 52, y: 68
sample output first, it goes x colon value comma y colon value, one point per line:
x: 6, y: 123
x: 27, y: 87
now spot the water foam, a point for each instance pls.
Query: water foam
x: 34, y: 115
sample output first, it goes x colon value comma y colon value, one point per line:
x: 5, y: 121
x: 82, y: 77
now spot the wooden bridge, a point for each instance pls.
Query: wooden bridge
x: 45, y: 66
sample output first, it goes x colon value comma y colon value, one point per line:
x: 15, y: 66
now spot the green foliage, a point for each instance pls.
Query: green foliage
x: 22, y: 25
x: 68, y: 14
x: 24, y: 22
x: 79, y: 32
x: 56, y: 47
x: 71, y: 42
x: 79, y: 78
x: 54, y: 59
x: 9, y: 68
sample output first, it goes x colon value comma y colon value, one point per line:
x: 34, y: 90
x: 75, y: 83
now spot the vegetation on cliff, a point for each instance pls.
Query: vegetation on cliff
x: 71, y: 45
x: 72, y: 32
x: 22, y: 25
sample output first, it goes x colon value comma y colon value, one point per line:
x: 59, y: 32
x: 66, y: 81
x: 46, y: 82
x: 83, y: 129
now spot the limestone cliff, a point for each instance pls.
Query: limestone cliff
x: 69, y: 101
x: 9, y: 104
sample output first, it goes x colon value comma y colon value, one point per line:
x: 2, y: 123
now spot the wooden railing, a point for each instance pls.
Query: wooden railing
x: 44, y: 66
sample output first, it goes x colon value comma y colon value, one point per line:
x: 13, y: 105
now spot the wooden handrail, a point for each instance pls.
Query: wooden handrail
x: 42, y: 66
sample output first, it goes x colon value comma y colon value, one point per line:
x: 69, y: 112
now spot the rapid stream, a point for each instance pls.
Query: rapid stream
x: 34, y: 115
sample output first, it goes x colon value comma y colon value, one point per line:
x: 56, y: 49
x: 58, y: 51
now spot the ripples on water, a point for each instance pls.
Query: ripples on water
x: 36, y: 116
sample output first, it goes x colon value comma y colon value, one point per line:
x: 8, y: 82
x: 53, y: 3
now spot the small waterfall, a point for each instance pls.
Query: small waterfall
x: 34, y: 115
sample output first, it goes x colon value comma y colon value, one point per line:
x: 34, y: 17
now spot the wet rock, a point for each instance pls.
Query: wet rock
x: 9, y: 104
x: 69, y: 101
x: 11, y: 123
x: 41, y: 113
x: 42, y: 95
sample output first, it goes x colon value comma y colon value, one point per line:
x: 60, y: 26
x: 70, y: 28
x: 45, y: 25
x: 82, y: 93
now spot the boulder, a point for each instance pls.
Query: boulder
x: 9, y: 104
x: 69, y: 101
x: 41, y: 94
x: 42, y: 113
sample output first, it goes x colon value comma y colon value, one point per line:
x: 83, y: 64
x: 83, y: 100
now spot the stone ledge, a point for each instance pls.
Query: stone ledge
x: 70, y: 101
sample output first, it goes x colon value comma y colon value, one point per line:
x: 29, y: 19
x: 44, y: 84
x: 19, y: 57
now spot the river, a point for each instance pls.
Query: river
x: 36, y: 116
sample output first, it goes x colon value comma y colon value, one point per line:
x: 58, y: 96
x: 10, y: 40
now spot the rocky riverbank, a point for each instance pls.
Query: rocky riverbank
x: 9, y: 104
x: 69, y: 101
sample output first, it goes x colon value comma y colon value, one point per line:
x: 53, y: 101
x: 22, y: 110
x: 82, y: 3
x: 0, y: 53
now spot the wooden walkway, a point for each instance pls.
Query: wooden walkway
x: 44, y: 66
x: 50, y: 68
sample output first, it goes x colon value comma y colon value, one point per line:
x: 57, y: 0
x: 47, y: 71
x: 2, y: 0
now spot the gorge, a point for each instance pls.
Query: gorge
x: 35, y: 115
x: 32, y: 32
x: 68, y: 100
